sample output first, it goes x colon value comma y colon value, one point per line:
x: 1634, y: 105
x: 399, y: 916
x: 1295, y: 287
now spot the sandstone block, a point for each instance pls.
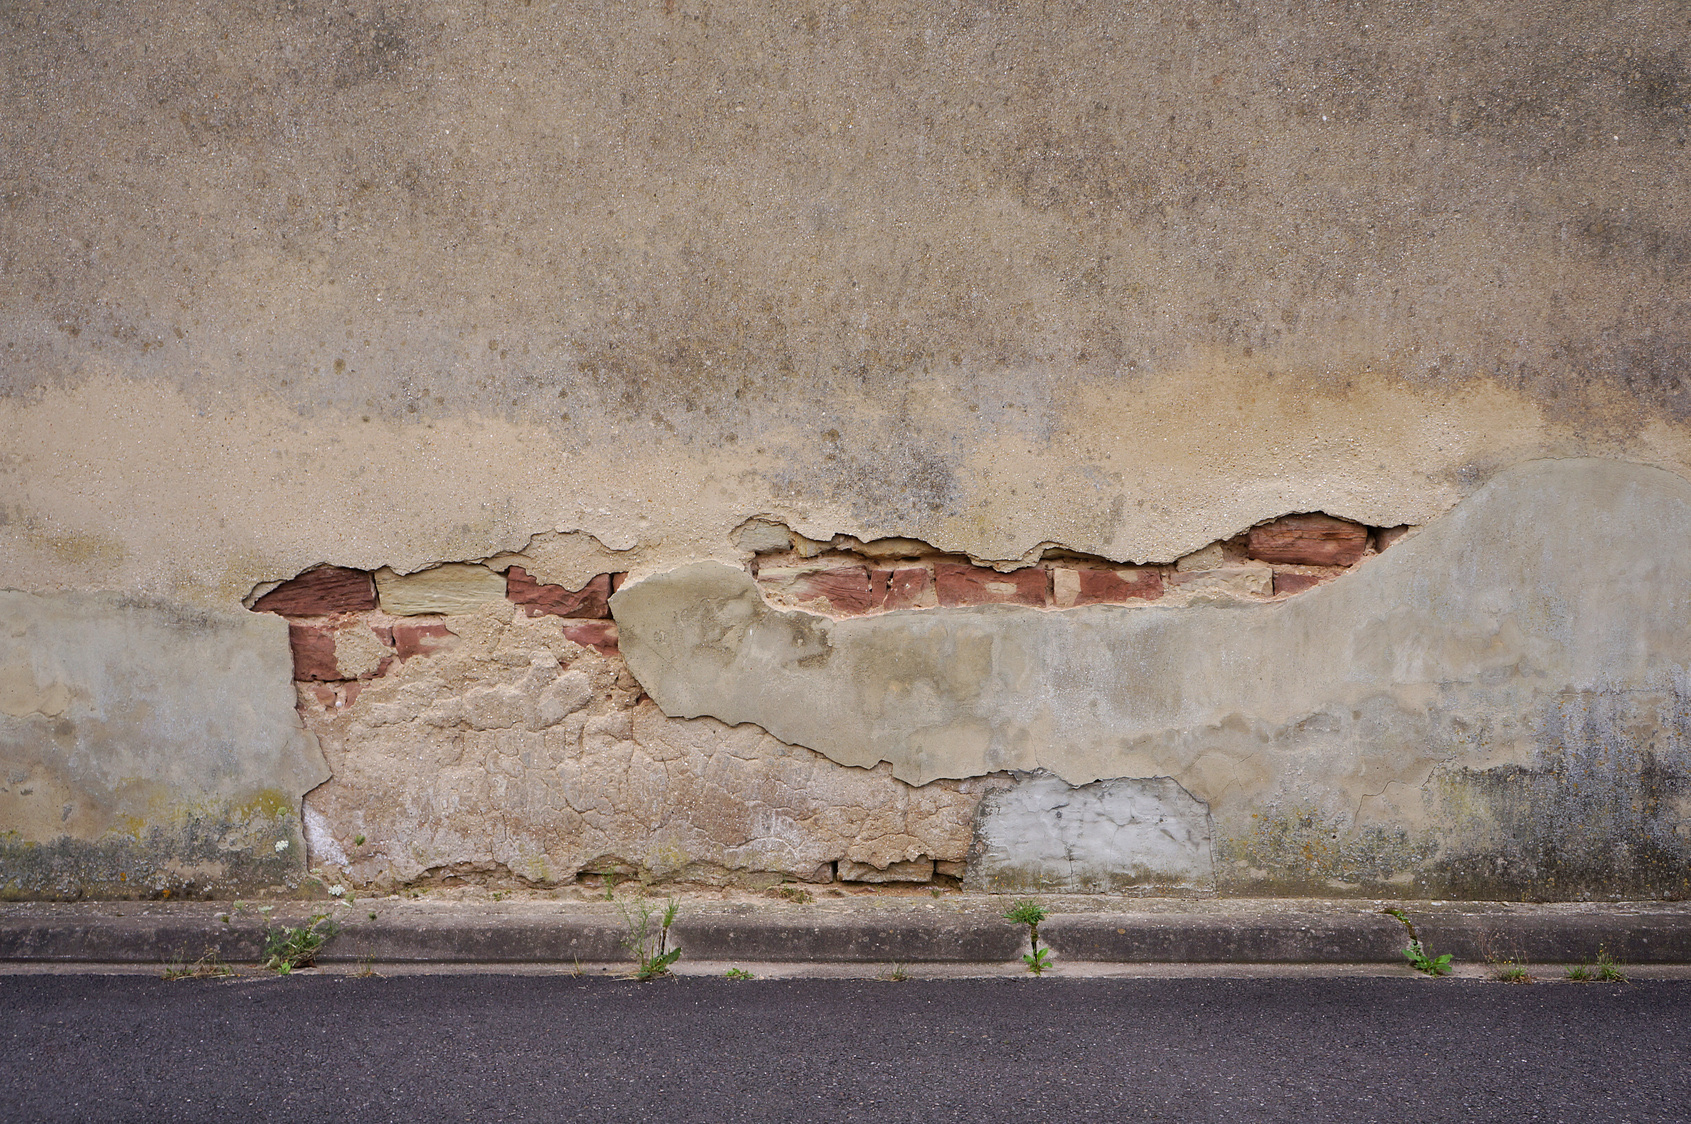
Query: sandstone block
x: 908, y: 587
x: 758, y: 536
x: 950, y: 869
x: 588, y: 602
x: 1313, y: 539
x: 320, y: 592
x: 1252, y: 579
x: 840, y: 590
x: 958, y: 583
x: 601, y: 636
x: 314, y: 652
x: 1209, y: 558
x: 457, y: 587
x: 916, y: 870
x: 895, y: 548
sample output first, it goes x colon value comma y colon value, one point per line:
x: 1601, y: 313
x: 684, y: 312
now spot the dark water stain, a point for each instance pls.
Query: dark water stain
x: 1599, y: 814
x: 219, y: 854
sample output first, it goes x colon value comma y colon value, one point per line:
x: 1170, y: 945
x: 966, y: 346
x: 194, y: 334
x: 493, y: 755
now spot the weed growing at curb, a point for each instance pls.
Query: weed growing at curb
x: 1434, y: 966
x: 209, y: 966
x: 1030, y: 913
x: 1606, y: 971
x: 649, y: 947
x: 897, y: 975
x: 796, y: 894
x: 289, y: 947
x: 1504, y: 969
x: 738, y: 974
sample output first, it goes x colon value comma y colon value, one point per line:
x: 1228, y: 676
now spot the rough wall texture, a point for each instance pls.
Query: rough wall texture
x: 1498, y: 702
x: 590, y: 290
x: 147, y: 748
x: 510, y: 755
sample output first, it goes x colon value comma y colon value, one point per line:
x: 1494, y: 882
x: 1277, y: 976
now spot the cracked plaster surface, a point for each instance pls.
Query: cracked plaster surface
x: 512, y: 753
x: 1460, y: 650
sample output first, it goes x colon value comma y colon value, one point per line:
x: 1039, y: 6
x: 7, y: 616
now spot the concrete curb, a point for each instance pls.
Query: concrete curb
x: 963, y: 929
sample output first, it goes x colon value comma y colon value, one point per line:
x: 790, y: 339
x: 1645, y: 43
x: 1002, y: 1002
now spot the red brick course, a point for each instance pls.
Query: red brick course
x: 1112, y: 587
x: 959, y: 583
x: 1314, y: 539
x: 321, y: 592
x: 420, y: 639
x: 601, y: 636
x: 314, y: 652
x: 588, y: 602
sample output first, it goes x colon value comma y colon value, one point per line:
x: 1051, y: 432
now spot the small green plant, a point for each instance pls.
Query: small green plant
x: 796, y: 894
x: 738, y: 974
x: 1030, y: 913
x: 649, y: 943
x: 289, y: 947
x: 208, y: 966
x: 1607, y: 970
x: 372, y: 915
x: 1510, y: 972
x: 897, y: 975
x: 1416, y: 953
x: 366, y: 968
x: 358, y: 841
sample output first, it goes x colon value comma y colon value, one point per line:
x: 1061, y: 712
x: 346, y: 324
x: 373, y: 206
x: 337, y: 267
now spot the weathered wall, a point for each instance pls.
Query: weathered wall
x: 583, y: 288
x: 147, y: 747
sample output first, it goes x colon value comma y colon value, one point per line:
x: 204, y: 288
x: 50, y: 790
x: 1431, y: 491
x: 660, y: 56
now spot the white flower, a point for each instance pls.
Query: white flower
x: 336, y: 891
x: 281, y: 844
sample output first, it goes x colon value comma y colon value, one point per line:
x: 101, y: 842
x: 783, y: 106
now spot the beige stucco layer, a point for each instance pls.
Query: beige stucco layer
x: 407, y: 283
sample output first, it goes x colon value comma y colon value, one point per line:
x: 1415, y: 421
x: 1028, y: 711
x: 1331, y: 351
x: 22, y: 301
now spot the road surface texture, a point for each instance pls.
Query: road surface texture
x: 320, y: 1048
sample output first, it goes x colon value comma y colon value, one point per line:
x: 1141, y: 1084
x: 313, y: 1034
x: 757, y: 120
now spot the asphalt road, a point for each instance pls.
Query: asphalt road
x: 313, y: 1049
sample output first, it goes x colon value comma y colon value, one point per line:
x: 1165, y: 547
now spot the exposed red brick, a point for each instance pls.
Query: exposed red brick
x: 1314, y: 539
x: 325, y: 695
x: 902, y: 588
x: 539, y: 600
x: 314, y: 652
x: 356, y: 686
x: 845, y: 588
x: 1286, y: 583
x: 617, y: 580
x: 1112, y: 587
x: 601, y: 636
x: 420, y: 639
x: 959, y: 583
x: 320, y: 592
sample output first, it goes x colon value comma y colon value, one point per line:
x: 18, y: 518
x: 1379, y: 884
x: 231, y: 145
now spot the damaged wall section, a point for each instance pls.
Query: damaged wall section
x: 147, y: 749
x: 1363, y: 738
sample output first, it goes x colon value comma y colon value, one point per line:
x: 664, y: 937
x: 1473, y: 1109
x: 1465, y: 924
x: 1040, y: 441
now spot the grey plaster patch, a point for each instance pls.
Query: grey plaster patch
x: 1311, y: 727
x: 1044, y: 834
x: 146, y: 746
